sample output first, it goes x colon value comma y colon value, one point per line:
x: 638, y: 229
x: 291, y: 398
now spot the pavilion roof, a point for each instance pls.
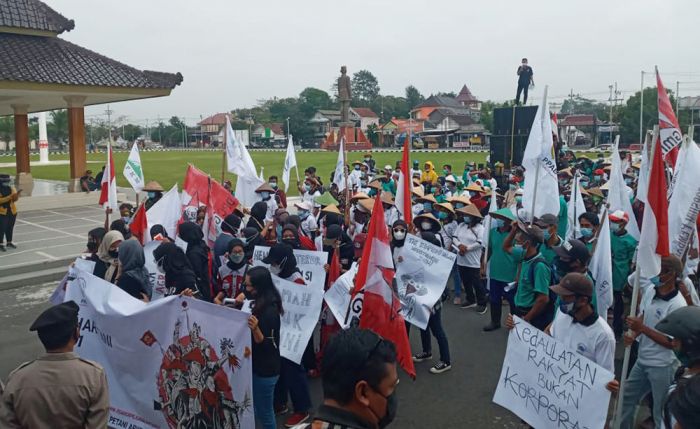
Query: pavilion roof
x: 19, y: 15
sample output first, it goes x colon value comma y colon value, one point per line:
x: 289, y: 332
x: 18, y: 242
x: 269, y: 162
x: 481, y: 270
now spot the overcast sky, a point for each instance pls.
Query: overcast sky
x: 233, y: 53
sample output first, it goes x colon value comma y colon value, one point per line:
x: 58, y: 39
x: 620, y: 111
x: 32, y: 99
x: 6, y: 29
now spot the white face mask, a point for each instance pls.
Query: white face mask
x: 399, y: 235
x: 275, y: 269
x: 426, y: 226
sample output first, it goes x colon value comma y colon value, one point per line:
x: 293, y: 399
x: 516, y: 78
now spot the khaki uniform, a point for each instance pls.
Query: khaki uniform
x: 57, y: 390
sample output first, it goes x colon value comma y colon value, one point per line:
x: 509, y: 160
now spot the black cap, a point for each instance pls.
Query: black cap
x: 574, y: 284
x: 682, y: 323
x: 547, y: 220
x: 573, y: 250
x: 277, y: 254
x: 57, y: 316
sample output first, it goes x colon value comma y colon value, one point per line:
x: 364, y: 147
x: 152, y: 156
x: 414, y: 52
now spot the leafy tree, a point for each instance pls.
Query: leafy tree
x: 584, y: 106
x: 389, y: 106
x: 447, y: 94
x: 413, y: 96
x: 313, y: 99
x: 57, y: 127
x: 373, y: 134
x: 487, y: 112
x: 7, y: 128
x: 365, y: 88
x: 131, y: 132
x: 34, y: 128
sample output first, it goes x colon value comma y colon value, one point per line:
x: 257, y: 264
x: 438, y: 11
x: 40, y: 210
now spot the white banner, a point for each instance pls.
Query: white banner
x: 302, y: 306
x: 684, y: 206
x: 176, y: 362
x: 338, y: 296
x: 59, y: 294
x: 421, y: 278
x: 549, y: 385
x: 618, y: 198
x: 601, y: 268
x: 156, y: 279
x: 310, y: 263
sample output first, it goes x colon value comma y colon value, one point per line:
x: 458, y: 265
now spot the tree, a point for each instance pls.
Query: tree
x: 584, y: 106
x: 57, y: 127
x: 389, y: 106
x: 365, y: 88
x: 131, y: 132
x: 373, y: 134
x: 447, y: 94
x: 313, y: 99
x: 413, y: 96
x: 487, y: 112
x: 628, y: 115
x: 7, y: 128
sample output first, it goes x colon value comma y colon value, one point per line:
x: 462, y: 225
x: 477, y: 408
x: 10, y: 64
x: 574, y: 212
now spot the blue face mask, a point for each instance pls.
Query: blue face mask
x: 518, y: 199
x: 307, y: 188
x: 498, y: 223
x: 518, y: 251
x: 512, y: 187
x: 427, y: 207
x: 459, y: 205
x: 586, y: 232
x: 472, y: 194
x: 357, y: 168
x: 265, y: 195
x: 442, y: 215
x: 151, y: 194
x: 567, y: 307
x: 547, y: 234
x: 656, y: 281
x: 467, y: 220
x: 303, y: 214
x: 614, y: 227
x: 273, y: 185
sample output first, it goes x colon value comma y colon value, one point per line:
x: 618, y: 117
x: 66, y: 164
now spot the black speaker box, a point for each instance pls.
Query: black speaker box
x: 510, y: 135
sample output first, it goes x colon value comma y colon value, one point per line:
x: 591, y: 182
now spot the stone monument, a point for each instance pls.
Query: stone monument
x: 344, y: 95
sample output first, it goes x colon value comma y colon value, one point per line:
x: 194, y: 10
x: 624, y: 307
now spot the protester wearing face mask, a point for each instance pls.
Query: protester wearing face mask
x: 391, y: 213
x: 108, y: 252
x: 267, y: 193
x: 252, y: 238
x: 120, y: 225
x: 399, y: 229
x: 427, y: 222
x: 360, y: 377
x: 173, y: 263
x: 126, y: 211
x: 309, y: 191
x: 95, y: 237
x: 229, y: 230
x: 656, y: 363
x: 509, y: 196
x: 532, y: 301
x: 309, y: 226
x: 232, y: 272
x: 448, y: 223
x: 577, y: 325
x: 279, y: 195
x: 154, y: 192
x: 476, y: 195
x: 623, y: 247
x: 337, y: 239
x: 502, y: 268
x: 467, y: 243
x: 549, y: 225
x: 525, y: 79
x: 428, y: 177
x: 305, y: 243
x: 428, y: 201
x: 133, y: 277
x: 588, y: 229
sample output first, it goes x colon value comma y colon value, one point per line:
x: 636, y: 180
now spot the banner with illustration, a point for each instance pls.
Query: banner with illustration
x: 421, y: 277
x: 176, y: 362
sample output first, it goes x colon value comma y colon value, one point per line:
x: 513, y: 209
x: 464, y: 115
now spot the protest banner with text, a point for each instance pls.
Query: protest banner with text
x: 310, y: 263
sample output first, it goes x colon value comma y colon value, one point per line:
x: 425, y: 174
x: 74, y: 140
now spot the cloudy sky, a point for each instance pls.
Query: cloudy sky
x: 233, y: 53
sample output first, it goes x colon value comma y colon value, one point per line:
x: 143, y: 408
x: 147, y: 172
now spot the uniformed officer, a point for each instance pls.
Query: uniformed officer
x: 59, y: 389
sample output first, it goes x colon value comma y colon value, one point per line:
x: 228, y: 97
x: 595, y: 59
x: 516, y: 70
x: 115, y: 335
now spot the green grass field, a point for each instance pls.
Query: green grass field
x: 169, y: 167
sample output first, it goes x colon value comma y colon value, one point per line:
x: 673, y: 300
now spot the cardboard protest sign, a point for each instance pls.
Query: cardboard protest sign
x: 310, y: 263
x: 176, y: 362
x: 550, y: 385
x: 421, y: 278
x: 338, y: 296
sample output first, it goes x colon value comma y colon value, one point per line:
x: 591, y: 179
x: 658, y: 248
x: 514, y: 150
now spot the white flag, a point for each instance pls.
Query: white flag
x: 643, y: 179
x: 618, y: 197
x: 166, y: 212
x: 685, y: 202
x: 133, y: 171
x: 241, y: 164
x: 575, y: 208
x: 290, y: 160
x: 540, y: 168
x: 339, y: 175
x: 601, y: 268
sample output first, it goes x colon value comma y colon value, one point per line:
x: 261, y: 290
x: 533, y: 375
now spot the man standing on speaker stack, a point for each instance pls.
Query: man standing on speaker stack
x: 524, y: 81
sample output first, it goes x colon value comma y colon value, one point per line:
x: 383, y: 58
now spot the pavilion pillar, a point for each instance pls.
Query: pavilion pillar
x: 76, y: 141
x: 23, y: 180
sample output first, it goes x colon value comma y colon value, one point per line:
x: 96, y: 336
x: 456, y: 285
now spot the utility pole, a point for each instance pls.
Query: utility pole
x: 109, y: 112
x: 614, y: 94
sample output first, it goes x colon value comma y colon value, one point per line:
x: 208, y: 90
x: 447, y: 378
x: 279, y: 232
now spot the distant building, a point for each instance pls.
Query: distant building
x: 269, y: 134
x: 465, y: 104
x: 210, y: 128
x: 326, y: 121
x: 447, y: 129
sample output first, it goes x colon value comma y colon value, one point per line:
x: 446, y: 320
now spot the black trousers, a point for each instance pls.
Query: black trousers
x: 7, y: 226
x: 522, y: 88
x: 618, y: 313
x: 473, y: 285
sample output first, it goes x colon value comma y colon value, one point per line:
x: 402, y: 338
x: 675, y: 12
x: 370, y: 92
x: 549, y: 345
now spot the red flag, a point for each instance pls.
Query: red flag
x: 403, y: 194
x: 108, y: 186
x: 334, y: 269
x: 669, y: 131
x: 380, y: 306
x: 139, y: 224
x: 653, y: 243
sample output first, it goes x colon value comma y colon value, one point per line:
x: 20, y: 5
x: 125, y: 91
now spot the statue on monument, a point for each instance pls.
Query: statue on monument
x: 344, y: 95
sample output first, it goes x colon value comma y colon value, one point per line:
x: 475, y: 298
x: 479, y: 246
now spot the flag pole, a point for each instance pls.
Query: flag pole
x: 223, y: 156
x: 633, y: 305
x: 346, y: 209
x: 539, y: 162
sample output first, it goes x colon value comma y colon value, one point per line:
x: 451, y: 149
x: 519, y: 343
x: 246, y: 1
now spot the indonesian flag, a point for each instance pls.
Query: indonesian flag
x: 108, y: 191
x: 653, y: 243
x: 380, y: 307
x: 555, y: 127
x: 139, y: 225
x: 334, y: 269
x: 669, y: 130
x: 403, y: 194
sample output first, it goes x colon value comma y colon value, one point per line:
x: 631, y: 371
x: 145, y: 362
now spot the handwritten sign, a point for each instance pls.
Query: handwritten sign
x: 309, y: 263
x: 421, y: 277
x: 550, y: 385
x: 338, y: 297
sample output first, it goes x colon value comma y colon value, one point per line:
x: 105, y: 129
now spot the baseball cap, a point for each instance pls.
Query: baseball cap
x: 574, y: 284
x: 681, y: 323
x: 619, y: 216
x: 573, y: 250
x: 532, y: 231
x: 546, y: 220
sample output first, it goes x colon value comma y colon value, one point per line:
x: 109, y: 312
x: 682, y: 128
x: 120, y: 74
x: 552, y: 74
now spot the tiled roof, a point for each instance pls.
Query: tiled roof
x: 466, y: 96
x: 218, y: 119
x: 56, y: 61
x: 33, y: 15
x: 365, y: 112
x: 578, y: 121
x: 439, y: 101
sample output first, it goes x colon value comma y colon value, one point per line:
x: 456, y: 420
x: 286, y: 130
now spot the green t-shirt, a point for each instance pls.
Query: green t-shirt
x: 563, y: 215
x: 525, y: 295
x: 501, y: 265
x: 622, y: 247
x: 389, y: 186
x: 548, y: 252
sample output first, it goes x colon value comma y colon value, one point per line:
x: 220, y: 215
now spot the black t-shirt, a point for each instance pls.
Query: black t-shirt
x: 525, y: 75
x: 131, y: 286
x: 266, y: 355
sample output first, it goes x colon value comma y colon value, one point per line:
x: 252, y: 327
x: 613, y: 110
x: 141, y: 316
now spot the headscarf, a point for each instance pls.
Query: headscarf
x: 178, y: 270
x: 257, y: 216
x: 132, y: 260
x: 230, y: 224
x: 345, y: 248
x: 120, y: 225
x: 430, y: 238
x: 235, y: 243
x: 158, y: 229
x: 395, y: 242
x: 191, y: 233
x: 289, y: 264
x: 293, y: 243
x: 252, y: 238
x: 103, y: 252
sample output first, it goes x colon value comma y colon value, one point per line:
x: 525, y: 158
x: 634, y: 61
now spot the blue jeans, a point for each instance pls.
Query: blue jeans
x: 263, y: 392
x: 497, y: 293
x: 293, y: 382
x: 642, y: 380
x: 435, y: 326
x: 457, y: 281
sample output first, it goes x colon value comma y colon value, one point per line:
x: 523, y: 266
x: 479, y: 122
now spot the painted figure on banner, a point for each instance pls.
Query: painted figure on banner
x: 193, y: 386
x: 409, y: 288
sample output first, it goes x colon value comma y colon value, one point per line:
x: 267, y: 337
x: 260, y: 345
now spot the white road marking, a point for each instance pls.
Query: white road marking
x: 7, y: 254
x: 36, y: 225
x: 47, y: 256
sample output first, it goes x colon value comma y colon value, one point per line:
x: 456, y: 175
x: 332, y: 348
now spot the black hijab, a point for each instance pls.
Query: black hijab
x: 158, y: 229
x: 120, y: 225
x: 252, y: 238
x: 294, y: 243
x: 289, y: 266
x: 178, y: 271
x: 257, y: 215
x: 234, y: 243
x: 395, y: 242
x: 191, y: 233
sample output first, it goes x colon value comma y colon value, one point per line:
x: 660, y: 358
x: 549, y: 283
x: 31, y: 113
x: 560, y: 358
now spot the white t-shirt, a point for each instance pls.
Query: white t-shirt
x: 310, y: 196
x: 271, y: 208
x: 309, y: 225
x: 651, y: 353
x: 596, y: 342
x: 391, y: 215
x: 471, y: 238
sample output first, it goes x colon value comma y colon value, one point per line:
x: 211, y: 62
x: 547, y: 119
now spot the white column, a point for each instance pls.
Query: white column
x: 43, y: 140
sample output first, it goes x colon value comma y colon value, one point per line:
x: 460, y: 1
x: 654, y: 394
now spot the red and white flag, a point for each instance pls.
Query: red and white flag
x: 669, y: 131
x: 653, y: 243
x: 139, y: 225
x: 380, y: 306
x: 403, y: 194
x: 108, y: 191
